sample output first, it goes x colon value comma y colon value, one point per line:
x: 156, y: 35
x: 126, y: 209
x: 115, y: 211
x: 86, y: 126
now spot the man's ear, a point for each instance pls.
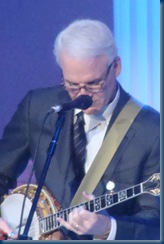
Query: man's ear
x: 118, y: 66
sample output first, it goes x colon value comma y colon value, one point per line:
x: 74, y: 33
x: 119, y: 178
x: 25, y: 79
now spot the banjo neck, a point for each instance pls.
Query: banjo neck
x: 152, y: 186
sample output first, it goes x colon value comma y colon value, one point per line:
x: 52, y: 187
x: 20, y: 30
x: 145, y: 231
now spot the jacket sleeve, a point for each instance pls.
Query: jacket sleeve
x: 144, y: 222
x: 14, y: 151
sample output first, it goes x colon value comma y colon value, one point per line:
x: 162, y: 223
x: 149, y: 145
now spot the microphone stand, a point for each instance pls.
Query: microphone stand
x: 59, y: 123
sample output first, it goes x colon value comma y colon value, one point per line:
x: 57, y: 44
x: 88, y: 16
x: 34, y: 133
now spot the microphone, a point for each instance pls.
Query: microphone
x: 81, y: 102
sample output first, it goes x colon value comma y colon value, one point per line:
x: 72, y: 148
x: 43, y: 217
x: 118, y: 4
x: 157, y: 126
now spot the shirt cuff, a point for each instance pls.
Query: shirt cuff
x: 112, y: 234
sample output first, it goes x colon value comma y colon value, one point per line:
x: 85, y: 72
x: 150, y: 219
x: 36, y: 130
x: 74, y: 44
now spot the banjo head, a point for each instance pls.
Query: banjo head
x: 11, y: 209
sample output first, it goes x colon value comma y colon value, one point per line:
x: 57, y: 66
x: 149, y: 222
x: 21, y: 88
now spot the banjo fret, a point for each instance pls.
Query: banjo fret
x: 99, y: 203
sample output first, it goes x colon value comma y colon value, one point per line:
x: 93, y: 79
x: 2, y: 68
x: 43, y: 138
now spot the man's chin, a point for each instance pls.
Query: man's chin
x: 90, y: 110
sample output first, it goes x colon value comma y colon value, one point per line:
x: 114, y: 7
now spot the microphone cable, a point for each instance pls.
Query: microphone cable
x: 31, y: 174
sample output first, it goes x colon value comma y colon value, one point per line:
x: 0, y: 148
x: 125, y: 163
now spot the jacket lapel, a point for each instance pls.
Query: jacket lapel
x: 101, y: 187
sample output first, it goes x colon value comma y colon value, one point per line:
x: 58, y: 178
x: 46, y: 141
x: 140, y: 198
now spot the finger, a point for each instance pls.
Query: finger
x: 70, y: 226
x: 7, y: 229
x: 12, y: 235
x: 65, y: 223
x: 3, y: 236
x: 88, y: 196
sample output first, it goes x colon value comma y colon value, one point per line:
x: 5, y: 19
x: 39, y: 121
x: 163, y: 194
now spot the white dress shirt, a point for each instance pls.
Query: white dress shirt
x: 95, y: 128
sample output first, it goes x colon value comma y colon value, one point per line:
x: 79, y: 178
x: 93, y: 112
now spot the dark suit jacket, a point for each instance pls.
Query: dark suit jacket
x: 137, y: 158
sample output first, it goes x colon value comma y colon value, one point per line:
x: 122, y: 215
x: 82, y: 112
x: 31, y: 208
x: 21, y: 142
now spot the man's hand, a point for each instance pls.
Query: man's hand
x: 7, y: 230
x: 83, y: 222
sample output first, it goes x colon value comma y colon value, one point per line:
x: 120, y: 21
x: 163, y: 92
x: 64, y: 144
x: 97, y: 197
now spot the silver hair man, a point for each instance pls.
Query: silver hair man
x: 85, y: 39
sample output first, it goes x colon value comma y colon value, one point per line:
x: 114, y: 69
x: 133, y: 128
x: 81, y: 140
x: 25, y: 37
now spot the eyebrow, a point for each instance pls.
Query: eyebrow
x: 92, y: 81
x: 96, y: 80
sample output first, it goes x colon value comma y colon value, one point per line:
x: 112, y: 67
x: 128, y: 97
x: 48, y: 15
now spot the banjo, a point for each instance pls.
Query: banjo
x: 45, y: 222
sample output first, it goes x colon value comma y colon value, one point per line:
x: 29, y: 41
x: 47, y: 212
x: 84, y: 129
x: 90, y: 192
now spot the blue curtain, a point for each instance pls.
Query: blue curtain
x: 137, y: 34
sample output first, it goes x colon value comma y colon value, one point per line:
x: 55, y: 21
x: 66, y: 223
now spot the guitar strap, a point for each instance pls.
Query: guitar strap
x: 106, y: 152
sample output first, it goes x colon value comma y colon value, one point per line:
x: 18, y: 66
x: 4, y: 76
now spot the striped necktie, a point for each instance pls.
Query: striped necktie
x: 80, y: 142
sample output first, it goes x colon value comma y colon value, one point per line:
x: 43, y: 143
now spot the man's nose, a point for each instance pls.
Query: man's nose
x: 83, y: 91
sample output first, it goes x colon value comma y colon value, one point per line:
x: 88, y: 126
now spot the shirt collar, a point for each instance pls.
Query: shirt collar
x: 92, y: 120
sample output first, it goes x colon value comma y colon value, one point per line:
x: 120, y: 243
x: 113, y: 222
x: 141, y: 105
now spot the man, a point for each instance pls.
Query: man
x: 87, y: 55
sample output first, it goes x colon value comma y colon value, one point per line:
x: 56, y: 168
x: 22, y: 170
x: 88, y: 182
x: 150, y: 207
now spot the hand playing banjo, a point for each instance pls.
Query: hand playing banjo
x: 83, y: 222
x: 6, y: 231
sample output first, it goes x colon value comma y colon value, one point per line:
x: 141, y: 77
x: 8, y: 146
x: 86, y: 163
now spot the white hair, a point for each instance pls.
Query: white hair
x: 85, y: 39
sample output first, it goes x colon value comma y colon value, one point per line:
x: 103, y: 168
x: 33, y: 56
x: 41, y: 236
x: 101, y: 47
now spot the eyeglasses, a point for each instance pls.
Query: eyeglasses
x: 91, y: 86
